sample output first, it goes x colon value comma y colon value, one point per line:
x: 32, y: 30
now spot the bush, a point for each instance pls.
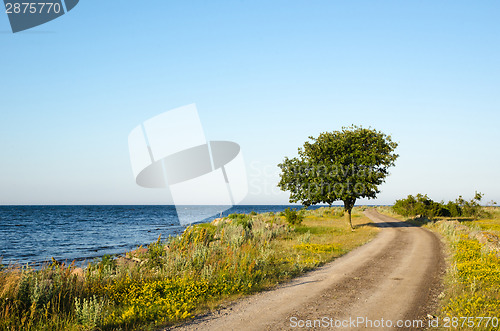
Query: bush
x: 108, y: 261
x: 293, y: 217
x: 90, y: 312
x: 454, y: 209
x: 155, y: 252
x: 241, y: 219
x: 422, y: 205
x: 470, y: 208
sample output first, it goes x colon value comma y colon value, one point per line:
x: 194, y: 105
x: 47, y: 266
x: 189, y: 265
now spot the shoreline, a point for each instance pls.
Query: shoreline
x: 177, y: 230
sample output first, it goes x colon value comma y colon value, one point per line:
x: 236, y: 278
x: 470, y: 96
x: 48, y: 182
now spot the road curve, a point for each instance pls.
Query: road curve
x: 391, y: 281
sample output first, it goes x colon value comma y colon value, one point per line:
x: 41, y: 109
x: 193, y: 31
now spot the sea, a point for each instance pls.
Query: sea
x: 35, y: 234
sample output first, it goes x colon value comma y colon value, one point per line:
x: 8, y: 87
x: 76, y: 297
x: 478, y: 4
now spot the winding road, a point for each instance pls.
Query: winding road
x: 390, y: 283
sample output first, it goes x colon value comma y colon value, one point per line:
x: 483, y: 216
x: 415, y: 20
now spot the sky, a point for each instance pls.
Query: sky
x: 264, y: 74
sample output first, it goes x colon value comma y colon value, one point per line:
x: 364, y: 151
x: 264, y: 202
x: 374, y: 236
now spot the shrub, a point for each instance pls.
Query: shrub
x: 454, y: 209
x: 419, y: 205
x: 241, y: 219
x: 470, y: 208
x: 293, y: 217
x: 155, y: 253
x: 90, y: 312
x: 423, y: 206
x: 108, y: 261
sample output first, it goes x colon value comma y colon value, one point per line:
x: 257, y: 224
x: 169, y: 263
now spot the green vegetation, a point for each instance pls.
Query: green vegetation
x: 472, y: 281
x: 176, y: 278
x: 473, y: 277
x: 341, y: 165
x: 293, y: 217
x: 423, y: 206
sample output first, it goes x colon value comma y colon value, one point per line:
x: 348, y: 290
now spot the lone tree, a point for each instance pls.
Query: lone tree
x: 341, y: 165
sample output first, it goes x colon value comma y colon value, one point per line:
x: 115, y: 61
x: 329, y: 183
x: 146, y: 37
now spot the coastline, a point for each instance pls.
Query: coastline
x: 35, y: 234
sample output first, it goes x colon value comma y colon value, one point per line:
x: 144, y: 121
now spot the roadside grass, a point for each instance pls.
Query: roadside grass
x: 472, y: 280
x: 174, y: 279
x: 387, y: 210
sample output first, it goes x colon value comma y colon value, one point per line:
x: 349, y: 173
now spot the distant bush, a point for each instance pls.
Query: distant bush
x: 293, y: 217
x: 236, y: 216
x: 453, y: 209
x: 422, y: 205
x: 253, y: 213
x: 419, y: 205
x: 241, y: 219
x: 471, y: 208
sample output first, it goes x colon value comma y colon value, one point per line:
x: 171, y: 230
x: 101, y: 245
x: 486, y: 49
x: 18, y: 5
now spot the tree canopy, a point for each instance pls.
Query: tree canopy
x: 343, y: 165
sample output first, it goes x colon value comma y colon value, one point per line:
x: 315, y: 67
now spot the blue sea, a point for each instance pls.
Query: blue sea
x: 34, y: 234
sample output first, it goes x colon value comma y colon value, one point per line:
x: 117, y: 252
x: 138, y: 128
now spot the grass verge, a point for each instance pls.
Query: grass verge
x: 174, y: 279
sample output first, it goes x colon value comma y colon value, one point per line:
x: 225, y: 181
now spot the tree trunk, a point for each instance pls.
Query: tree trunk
x: 349, y: 218
x: 348, y: 205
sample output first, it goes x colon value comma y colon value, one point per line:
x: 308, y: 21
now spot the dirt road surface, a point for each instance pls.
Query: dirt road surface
x: 390, y: 283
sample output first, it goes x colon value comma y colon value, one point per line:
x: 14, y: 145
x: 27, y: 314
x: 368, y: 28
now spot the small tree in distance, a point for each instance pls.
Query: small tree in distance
x: 341, y: 165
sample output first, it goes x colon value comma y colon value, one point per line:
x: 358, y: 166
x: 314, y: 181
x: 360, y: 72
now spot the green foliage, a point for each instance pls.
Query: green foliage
x: 420, y: 205
x: 454, y: 209
x: 155, y: 252
x: 338, y: 166
x: 341, y: 165
x: 293, y: 217
x: 90, y: 312
x: 470, y: 208
x: 30, y: 299
x: 242, y: 219
x: 108, y: 261
x: 423, y: 206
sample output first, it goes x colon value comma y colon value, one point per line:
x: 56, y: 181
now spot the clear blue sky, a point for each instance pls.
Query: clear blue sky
x: 265, y: 74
